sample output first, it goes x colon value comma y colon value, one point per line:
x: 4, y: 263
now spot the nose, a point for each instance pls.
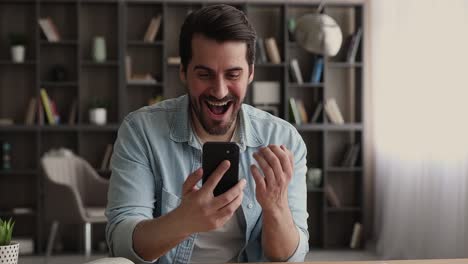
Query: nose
x: 219, y: 88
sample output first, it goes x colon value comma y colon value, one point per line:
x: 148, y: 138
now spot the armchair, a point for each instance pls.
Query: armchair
x: 74, y: 194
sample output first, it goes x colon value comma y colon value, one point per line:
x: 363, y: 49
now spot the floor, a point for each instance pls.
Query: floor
x: 319, y: 255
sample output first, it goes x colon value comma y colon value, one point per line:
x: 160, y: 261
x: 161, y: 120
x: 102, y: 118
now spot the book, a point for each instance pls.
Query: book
x: 40, y: 113
x: 302, y: 111
x: 317, y: 70
x: 49, y: 29
x: 152, y: 29
x: 295, y: 116
x: 55, y: 113
x: 47, y: 107
x: 272, y: 50
x: 128, y: 67
x: 331, y: 196
x: 261, y: 53
x: 316, y: 114
x: 352, y: 155
x: 296, y: 71
x: 354, y: 46
x: 31, y: 110
x: 54, y: 29
x: 333, y: 112
x: 73, y: 113
x: 356, y: 236
x: 106, y: 157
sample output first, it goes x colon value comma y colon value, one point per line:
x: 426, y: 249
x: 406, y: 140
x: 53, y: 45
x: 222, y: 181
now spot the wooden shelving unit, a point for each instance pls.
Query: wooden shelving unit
x: 123, y: 24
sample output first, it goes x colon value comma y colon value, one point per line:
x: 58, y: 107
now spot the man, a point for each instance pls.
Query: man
x: 159, y: 211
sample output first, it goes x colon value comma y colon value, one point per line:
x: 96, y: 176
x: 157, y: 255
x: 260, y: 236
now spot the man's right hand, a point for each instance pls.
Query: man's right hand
x: 203, y: 211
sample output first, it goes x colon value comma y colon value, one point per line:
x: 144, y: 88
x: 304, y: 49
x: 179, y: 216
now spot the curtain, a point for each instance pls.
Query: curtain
x: 419, y: 82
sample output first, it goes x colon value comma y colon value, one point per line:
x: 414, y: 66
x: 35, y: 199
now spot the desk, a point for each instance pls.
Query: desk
x: 423, y: 261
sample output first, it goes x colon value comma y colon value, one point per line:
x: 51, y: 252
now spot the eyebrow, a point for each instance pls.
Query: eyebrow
x: 202, y: 67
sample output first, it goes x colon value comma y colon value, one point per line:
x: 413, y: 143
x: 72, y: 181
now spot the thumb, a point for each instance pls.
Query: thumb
x: 191, y: 181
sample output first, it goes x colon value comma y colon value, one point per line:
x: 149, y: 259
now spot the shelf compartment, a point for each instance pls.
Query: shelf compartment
x: 64, y: 17
x: 339, y: 229
x: 338, y: 146
x: 53, y: 59
x: 18, y: 17
x: 23, y: 149
x: 98, y: 83
x: 139, y: 16
x: 53, y: 137
x: 99, y: 19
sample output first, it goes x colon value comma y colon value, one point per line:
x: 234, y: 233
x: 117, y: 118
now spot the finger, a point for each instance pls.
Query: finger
x: 274, y: 162
x: 227, y: 211
x: 290, y: 156
x: 191, y: 181
x: 227, y: 197
x: 258, y: 178
x: 216, y: 176
x: 266, y: 169
x: 283, y: 157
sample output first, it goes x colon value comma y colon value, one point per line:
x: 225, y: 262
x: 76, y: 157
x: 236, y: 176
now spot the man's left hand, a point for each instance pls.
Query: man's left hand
x: 277, y: 165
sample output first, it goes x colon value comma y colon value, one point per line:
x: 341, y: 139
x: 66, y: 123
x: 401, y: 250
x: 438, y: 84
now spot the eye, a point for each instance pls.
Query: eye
x: 233, y: 75
x: 203, y: 75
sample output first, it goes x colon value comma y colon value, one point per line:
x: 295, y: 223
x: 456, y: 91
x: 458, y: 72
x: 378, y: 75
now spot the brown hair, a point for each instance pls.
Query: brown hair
x: 221, y: 23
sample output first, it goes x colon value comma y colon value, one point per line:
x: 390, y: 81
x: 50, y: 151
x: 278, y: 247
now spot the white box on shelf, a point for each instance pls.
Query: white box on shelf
x: 266, y: 92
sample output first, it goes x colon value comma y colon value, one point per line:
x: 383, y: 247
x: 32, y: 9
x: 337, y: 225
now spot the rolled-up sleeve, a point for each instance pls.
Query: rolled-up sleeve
x: 131, y: 194
x: 297, y: 194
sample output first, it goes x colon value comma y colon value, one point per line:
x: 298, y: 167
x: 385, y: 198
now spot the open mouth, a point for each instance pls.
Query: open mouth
x: 218, y: 108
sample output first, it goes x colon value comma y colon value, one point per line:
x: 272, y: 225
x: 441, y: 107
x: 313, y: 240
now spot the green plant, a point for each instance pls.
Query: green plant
x: 17, y: 39
x: 98, y: 103
x: 6, y: 230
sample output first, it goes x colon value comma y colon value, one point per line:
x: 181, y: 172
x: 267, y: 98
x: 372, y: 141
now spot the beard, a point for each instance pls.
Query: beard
x: 199, y: 107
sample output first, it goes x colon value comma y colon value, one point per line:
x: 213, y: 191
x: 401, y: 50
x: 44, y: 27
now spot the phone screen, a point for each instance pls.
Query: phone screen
x: 213, y: 154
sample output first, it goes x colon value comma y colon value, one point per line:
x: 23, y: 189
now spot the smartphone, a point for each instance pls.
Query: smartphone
x: 213, y: 154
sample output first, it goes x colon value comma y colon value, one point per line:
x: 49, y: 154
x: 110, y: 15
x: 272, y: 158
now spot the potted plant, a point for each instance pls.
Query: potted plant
x: 98, y: 111
x: 18, y: 47
x: 8, y: 250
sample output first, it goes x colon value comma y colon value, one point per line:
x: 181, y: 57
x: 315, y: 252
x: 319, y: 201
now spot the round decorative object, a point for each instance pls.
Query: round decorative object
x: 318, y: 33
x: 9, y: 254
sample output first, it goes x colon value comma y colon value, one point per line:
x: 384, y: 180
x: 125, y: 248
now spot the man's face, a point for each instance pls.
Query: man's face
x: 217, y: 78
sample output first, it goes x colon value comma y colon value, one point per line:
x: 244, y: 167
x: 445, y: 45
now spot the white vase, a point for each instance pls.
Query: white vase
x: 98, y: 116
x: 9, y: 254
x: 18, y: 53
x: 99, y: 49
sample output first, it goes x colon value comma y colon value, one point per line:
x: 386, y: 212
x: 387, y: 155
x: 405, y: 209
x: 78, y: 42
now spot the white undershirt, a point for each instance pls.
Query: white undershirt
x: 223, y: 244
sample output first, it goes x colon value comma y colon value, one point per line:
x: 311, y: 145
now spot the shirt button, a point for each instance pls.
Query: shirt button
x: 250, y: 206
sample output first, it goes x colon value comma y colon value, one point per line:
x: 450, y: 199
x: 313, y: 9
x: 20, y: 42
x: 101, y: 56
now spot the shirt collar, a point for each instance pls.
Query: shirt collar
x: 181, y: 130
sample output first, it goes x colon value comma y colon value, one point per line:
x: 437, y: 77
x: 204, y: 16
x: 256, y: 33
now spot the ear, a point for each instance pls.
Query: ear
x: 182, y: 74
x: 251, y: 76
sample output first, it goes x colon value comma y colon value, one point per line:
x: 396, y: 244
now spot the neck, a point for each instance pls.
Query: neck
x: 205, y: 136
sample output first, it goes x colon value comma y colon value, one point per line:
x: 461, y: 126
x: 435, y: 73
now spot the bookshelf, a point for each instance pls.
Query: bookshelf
x: 123, y: 25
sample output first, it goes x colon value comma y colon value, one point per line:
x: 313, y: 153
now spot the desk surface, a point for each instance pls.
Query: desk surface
x: 422, y: 261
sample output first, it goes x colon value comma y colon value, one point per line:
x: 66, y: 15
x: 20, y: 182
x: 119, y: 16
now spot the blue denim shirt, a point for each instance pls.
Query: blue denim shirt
x: 154, y: 153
